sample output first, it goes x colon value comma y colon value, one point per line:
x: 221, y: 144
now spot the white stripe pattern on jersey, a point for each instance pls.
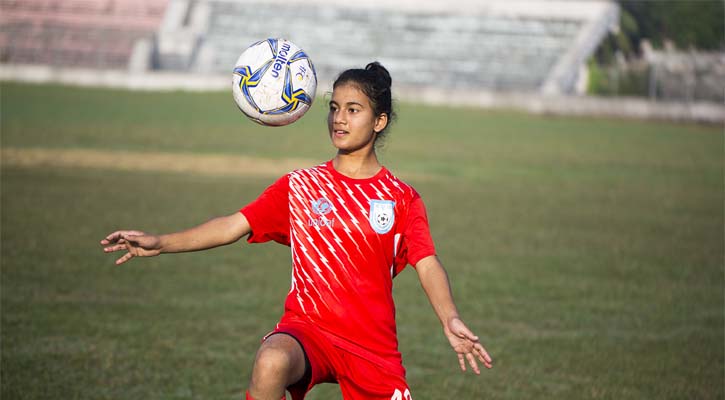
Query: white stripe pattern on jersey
x: 363, y: 211
x: 321, y: 256
x: 354, y: 220
x: 334, y: 250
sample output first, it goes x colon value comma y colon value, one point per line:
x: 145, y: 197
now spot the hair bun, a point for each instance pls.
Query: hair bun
x: 380, y: 71
x: 375, y: 83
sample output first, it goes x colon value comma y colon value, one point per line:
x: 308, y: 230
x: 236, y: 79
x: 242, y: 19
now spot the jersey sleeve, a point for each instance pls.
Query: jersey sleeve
x: 417, y: 242
x: 268, y: 215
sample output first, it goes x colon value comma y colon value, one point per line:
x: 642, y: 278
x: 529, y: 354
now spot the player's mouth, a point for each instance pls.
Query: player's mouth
x: 339, y: 132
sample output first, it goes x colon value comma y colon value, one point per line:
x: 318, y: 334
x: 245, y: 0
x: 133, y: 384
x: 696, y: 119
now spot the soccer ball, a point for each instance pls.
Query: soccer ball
x: 274, y: 82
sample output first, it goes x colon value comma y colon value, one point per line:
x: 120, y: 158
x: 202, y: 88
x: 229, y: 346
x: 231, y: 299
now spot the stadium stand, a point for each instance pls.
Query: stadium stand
x: 75, y: 33
x: 534, y: 45
x: 493, y: 45
x: 523, y: 54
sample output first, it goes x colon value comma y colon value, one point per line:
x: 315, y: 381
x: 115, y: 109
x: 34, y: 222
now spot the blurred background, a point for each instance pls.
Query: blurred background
x: 538, y: 55
x: 570, y: 154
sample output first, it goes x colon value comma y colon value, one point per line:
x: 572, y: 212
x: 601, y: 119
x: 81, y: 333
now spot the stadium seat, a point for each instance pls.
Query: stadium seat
x: 75, y: 33
x: 510, y: 48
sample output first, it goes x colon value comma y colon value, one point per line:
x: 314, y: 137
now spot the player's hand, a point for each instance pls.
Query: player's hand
x: 466, y: 345
x: 136, y: 244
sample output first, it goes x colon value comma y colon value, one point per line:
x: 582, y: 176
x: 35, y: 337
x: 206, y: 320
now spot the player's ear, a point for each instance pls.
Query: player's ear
x: 380, y: 122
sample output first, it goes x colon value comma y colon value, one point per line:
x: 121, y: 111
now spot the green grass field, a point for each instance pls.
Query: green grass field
x: 587, y: 253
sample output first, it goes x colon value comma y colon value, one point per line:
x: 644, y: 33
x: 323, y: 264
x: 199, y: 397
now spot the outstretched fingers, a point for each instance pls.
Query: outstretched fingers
x: 117, y: 240
x: 483, y: 355
x: 462, y: 358
x: 114, y: 237
x: 462, y: 362
x: 124, y: 258
x: 119, y: 237
x: 469, y: 348
x: 473, y: 363
x: 123, y: 240
x: 116, y: 247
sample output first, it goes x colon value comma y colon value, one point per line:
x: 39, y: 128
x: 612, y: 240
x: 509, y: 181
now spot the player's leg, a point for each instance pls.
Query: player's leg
x: 280, y: 362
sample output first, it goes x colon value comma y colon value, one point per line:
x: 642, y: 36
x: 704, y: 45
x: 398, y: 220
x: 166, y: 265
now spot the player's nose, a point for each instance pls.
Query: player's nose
x: 338, y: 117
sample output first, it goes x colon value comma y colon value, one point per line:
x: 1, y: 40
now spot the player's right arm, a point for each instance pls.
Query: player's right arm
x: 216, y: 232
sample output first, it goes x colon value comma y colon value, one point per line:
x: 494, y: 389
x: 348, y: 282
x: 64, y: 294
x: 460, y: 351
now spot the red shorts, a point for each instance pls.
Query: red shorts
x: 358, y: 377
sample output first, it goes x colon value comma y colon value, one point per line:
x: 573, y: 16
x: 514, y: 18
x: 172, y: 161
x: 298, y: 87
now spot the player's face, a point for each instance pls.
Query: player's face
x: 351, y: 122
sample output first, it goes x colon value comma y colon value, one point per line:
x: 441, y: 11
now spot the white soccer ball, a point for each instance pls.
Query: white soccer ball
x: 274, y: 82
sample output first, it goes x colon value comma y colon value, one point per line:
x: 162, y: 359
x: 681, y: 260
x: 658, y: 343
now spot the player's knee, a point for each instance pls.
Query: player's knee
x: 273, y: 365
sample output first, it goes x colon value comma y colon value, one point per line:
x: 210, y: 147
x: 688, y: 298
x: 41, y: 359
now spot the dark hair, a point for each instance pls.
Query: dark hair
x: 374, y: 81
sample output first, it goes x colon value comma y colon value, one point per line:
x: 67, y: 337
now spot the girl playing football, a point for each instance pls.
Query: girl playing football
x: 352, y: 227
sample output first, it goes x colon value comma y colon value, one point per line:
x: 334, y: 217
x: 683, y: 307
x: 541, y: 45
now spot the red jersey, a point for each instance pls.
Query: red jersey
x: 349, y: 238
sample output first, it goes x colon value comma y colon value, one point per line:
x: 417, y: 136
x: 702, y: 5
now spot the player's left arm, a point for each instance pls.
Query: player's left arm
x: 434, y: 279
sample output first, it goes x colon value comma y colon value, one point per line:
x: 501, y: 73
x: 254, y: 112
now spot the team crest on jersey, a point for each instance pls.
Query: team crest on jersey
x: 321, y: 206
x: 382, y: 215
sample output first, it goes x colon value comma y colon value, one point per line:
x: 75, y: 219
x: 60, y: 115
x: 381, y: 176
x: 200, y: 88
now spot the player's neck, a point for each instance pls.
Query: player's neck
x: 357, y: 166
